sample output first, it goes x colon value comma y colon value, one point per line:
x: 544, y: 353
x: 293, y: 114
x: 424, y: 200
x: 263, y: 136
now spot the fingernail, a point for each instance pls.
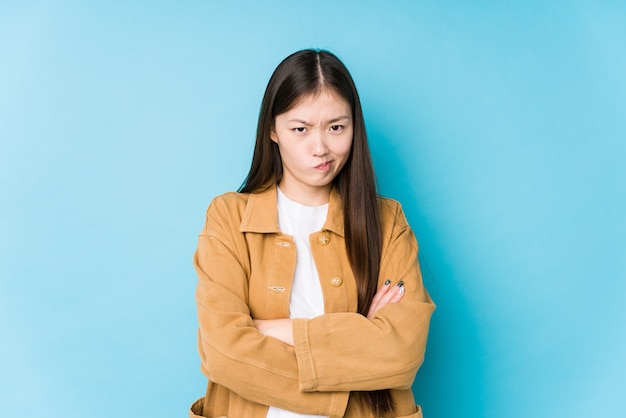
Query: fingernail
x: 387, y: 282
x: 400, y: 283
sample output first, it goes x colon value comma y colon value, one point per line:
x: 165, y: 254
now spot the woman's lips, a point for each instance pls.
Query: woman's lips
x: 324, y: 166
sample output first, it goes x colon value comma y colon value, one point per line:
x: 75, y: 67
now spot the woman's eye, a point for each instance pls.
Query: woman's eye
x: 336, y: 128
x: 300, y: 129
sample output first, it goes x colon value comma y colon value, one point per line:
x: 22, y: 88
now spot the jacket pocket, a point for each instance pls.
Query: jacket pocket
x: 417, y: 414
x: 196, y: 410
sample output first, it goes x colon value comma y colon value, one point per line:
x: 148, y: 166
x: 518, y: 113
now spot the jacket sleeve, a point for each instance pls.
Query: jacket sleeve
x: 233, y: 352
x: 347, y: 351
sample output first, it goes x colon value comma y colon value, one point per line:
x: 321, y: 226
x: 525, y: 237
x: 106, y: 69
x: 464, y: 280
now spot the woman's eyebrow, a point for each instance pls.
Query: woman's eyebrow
x: 302, y: 121
x: 340, y: 118
x: 333, y: 120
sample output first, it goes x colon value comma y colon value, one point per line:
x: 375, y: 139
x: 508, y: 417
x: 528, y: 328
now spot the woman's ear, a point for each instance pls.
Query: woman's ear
x: 273, y: 136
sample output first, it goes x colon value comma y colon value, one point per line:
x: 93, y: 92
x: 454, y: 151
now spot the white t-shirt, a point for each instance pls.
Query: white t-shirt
x: 307, y: 300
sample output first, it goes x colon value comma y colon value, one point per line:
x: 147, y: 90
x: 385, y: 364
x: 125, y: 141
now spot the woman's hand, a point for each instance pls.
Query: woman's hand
x: 280, y: 329
x: 386, y: 294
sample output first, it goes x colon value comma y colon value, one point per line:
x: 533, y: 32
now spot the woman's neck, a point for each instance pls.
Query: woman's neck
x: 314, y: 196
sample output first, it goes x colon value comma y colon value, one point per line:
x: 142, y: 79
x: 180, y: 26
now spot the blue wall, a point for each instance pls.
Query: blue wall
x: 500, y: 126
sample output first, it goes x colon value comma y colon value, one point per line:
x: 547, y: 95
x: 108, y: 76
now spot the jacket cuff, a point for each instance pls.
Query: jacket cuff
x: 306, y: 368
x: 304, y: 357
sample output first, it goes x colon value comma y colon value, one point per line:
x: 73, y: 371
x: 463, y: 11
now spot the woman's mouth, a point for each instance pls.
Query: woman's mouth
x: 324, y: 166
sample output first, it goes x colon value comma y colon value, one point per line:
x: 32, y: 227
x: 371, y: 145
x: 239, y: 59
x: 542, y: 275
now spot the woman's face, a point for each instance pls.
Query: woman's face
x: 314, y: 138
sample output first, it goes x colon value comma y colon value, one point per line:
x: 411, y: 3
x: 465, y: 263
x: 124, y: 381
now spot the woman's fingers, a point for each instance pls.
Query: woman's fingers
x: 381, y: 292
x: 395, y: 293
x: 386, y: 294
x: 399, y: 294
x: 377, y: 297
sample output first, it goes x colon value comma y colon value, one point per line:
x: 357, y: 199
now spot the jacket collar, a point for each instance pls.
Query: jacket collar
x: 261, y: 213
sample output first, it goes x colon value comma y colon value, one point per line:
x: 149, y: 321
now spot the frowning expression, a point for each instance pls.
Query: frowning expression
x: 314, y: 139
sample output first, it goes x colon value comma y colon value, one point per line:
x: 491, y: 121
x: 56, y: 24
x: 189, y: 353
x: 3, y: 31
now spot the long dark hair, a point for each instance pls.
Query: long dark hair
x: 309, y: 72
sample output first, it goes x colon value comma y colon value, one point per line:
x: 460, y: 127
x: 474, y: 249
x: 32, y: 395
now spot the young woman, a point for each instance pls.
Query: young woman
x: 310, y: 298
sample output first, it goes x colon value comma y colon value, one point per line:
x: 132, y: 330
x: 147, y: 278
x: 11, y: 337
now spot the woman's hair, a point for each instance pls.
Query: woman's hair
x: 310, y: 72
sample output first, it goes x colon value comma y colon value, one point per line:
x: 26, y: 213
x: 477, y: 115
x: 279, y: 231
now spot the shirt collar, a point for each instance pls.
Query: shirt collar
x: 261, y: 213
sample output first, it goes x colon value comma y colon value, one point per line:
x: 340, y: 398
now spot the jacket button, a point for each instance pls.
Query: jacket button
x: 336, y: 281
x: 324, y: 240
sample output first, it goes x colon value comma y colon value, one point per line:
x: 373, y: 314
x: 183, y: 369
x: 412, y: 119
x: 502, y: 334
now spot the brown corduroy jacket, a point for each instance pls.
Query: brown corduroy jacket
x: 245, y: 267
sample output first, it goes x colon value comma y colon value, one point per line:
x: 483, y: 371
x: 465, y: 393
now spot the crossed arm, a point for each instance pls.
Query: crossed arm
x: 282, y: 329
x: 296, y: 369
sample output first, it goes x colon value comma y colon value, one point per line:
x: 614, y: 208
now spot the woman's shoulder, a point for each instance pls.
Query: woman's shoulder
x: 391, y: 212
x: 227, y: 208
x: 387, y: 202
x: 230, y: 200
x: 391, y: 216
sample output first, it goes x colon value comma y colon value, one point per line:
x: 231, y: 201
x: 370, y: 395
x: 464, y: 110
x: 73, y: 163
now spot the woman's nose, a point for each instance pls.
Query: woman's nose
x: 319, y: 144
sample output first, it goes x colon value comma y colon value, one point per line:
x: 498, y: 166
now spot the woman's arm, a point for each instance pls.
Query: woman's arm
x: 233, y: 352
x: 347, y: 351
x: 282, y: 329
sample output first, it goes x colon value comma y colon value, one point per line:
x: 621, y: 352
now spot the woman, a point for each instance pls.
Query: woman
x: 310, y: 298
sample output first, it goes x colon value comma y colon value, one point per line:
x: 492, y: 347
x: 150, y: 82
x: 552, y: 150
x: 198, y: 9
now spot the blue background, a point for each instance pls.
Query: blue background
x: 500, y: 126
